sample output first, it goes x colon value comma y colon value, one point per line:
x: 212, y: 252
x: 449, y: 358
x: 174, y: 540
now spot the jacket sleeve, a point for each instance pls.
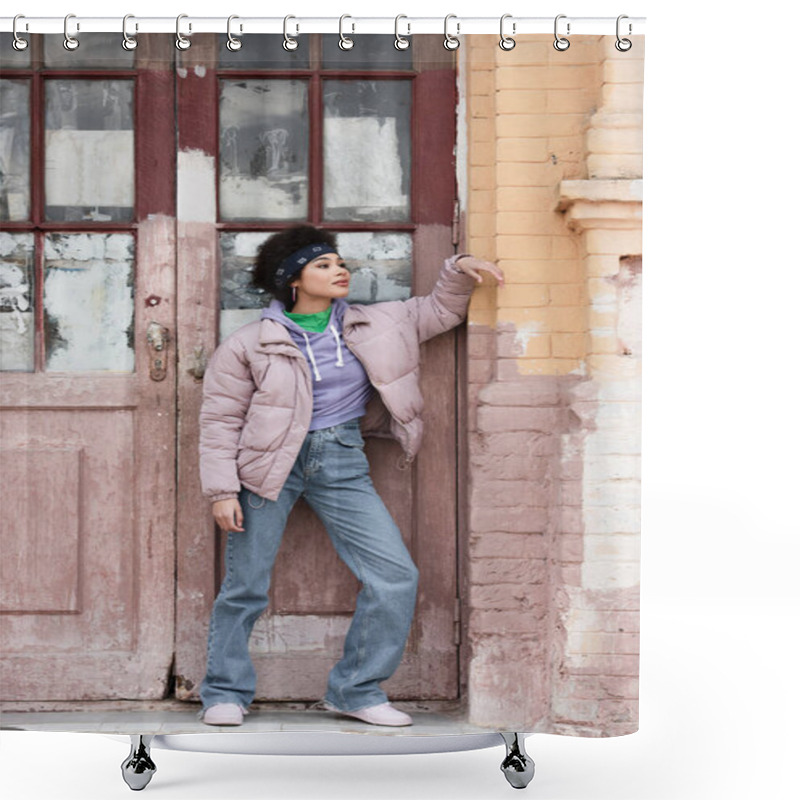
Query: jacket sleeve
x: 228, y: 387
x: 446, y: 306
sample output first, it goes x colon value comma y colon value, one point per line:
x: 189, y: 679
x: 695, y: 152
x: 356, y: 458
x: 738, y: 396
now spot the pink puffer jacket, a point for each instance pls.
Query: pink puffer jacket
x: 257, y: 396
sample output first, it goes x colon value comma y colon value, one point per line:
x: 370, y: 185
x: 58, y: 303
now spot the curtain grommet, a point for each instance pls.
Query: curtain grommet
x: 561, y: 43
x: 181, y: 42
x: 451, y: 42
x: 289, y: 42
x: 506, y: 42
x: 345, y: 42
x: 128, y: 42
x: 623, y: 45
x: 19, y: 44
x: 70, y: 42
x: 233, y: 44
x: 400, y: 42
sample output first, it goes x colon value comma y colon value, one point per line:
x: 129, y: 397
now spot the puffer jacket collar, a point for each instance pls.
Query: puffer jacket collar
x: 272, y: 333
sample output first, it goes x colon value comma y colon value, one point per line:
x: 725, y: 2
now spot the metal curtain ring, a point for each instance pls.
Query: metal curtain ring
x: 506, y: 42
x: 560, y: 42
x: 128, y: 42
x: 70, y: 42
x: 288, y: 42
x: 18, y: 43
x: 400, y: 42
x: 345, y: 43
x: 233, y: 44
x: 450, y: 42
x: 623, y: 45
x: 181, y: 42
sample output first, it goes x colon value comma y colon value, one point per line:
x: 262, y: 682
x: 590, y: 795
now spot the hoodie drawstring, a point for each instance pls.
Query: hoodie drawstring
x: 339, y: 362
x: 317, y: 376
x: 339, y: 359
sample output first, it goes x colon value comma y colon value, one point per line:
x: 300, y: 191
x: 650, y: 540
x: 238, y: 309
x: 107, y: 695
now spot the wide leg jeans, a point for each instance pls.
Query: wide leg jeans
x: 332, y: 473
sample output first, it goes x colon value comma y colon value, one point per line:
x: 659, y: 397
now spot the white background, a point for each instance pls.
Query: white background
x: 719, y: 698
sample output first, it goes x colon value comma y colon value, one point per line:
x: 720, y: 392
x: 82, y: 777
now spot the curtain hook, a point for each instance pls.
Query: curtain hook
x: 19, y: 43
x: 450, y: 42
x: 181, y: 42
x: 128, y: 42
x: 345, y: 43
x: 289, y: 43
x: 233, y: 44
x: 70, y: 42
x: 506, y: 42
x: 400, y: 42
x: 623, y: 45
x: 560, y: 42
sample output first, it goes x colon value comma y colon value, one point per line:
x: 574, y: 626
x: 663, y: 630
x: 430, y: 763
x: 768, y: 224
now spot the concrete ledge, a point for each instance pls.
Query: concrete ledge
x: 257, y: 721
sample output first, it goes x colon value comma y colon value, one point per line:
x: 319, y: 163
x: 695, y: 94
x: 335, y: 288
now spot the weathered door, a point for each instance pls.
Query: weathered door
x: 87, y: 437
x: 361, y: 142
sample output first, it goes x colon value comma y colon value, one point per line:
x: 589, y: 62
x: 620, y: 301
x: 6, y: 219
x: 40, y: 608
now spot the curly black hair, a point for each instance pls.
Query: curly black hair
x: 277, y: 247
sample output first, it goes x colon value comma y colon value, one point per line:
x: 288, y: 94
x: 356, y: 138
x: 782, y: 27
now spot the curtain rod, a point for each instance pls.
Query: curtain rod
x: 407, y: 25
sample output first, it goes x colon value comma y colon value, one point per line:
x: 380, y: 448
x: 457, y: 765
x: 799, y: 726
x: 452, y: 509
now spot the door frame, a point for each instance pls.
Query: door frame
x: 434, y: 208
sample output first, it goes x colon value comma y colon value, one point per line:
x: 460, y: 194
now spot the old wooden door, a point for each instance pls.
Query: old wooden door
x: 87, y: 438
x: 361, y: 142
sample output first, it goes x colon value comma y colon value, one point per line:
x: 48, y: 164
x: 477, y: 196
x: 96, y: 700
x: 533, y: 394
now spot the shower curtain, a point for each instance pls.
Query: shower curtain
x: 135, y: 188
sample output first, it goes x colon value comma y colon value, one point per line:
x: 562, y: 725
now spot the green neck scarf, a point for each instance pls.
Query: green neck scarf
x: 316, y: 323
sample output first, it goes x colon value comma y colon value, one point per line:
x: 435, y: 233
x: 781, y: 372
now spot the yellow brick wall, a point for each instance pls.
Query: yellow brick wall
x: 528, y: 111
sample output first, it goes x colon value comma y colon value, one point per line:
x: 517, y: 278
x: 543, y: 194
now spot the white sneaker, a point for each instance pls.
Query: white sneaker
x: 224, y: 714
x: 383, y: 714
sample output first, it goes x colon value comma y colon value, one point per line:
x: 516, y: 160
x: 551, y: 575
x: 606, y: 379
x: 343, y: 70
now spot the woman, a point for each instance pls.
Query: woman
x: 285, y: 402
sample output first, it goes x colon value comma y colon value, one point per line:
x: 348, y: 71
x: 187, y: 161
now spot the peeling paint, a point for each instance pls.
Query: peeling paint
x: 88, y: 302
x: 525, y: 332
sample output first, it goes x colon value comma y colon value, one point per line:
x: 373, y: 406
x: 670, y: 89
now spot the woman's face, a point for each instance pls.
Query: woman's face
x: 326, y: 276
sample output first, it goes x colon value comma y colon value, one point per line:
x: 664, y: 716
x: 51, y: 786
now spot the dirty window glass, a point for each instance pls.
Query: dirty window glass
x: 88, y: 301
x: 372, y: 51
x: 95, y: 51
x: 16, y: 302
x: 262, y: 51
x: 380, y: 265
x: 263, y: 144
x: 15, y: 150
x: 89, y: 153
x: 367, y: 150
x: 11, y: 58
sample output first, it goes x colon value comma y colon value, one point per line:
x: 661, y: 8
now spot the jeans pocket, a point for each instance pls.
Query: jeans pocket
x: 349, y: 436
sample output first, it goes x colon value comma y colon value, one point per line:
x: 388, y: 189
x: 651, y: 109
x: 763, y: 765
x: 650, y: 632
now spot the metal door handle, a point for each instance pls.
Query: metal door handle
x: 157, y: 341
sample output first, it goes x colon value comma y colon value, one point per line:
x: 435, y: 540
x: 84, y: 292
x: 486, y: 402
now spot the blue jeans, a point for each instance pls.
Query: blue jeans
x: 332, y: 473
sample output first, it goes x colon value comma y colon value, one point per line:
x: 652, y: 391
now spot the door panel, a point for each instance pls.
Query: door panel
x: 87, y: 430
x: 396, y: 240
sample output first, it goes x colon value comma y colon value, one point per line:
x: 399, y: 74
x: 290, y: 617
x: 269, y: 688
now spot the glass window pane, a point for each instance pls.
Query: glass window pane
x: 263, y: 51
x: 15, y: 150
x: 11, y: 58
x: 88, y: 301
x: 263, y: 141
x: 16, y: 301
x: 240, y: 303
x: 89, y: 153
x: 369, y: 51
x: 367, y: 150
x: 95, y: 51
x: 380, y: 264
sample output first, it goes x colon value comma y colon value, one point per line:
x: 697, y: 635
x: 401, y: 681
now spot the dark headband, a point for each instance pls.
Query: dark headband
x: 292, y: 264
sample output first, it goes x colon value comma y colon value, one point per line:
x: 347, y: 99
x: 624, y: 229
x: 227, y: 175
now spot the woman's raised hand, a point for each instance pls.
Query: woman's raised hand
x: 472, y: 266
x: 228, y: 514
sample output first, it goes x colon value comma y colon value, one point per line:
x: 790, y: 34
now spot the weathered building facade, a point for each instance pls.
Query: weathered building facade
x: 123, y: 268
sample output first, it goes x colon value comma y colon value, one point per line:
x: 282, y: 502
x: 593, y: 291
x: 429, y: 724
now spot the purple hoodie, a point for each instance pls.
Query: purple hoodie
x: 340, y: 384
